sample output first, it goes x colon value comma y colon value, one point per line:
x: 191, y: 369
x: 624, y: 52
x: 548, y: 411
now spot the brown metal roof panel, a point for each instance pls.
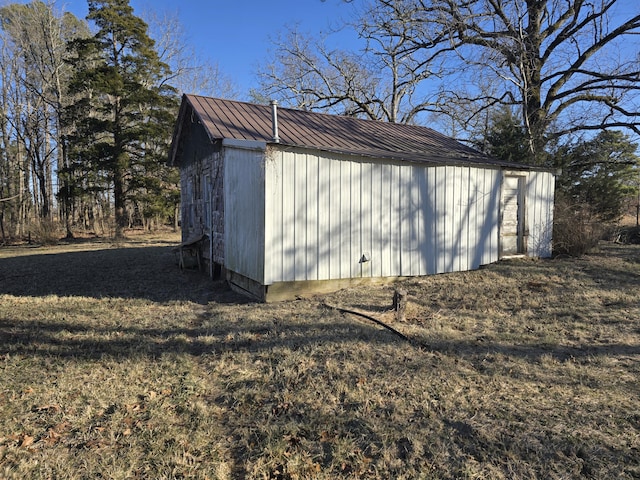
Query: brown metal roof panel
x: 247, y: 121
x: 200, y: 111
x: 258, y: 118
x: 219, y: 120
x: 326, y: 131
x: 209, y: 117
x: 296, y: 128
x: 237, y: 122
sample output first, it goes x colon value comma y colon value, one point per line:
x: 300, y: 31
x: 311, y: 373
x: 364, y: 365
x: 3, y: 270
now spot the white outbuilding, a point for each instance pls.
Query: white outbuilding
x: 285, y: 202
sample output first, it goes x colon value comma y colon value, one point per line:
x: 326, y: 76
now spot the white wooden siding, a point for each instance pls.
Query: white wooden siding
x: 244, y: 213
x: 322, y: 213
x: 540, y: 194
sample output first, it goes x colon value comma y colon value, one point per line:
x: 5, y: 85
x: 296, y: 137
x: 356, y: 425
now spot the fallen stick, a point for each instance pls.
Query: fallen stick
x: 368, y: 317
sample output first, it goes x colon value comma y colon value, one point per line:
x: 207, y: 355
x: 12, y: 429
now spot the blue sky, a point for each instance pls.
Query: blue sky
x: 235, y: 34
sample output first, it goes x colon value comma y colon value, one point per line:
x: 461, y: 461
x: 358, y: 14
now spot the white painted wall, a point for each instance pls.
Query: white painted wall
x: 292, y: 215
x: 244, y: 193
x: 324, y: 211
x: 540, y: 194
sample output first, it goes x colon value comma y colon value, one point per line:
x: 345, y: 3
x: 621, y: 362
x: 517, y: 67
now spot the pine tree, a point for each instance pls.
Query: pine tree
x: 123, y: 110
x: 504, y: 137
x: 601, y: 172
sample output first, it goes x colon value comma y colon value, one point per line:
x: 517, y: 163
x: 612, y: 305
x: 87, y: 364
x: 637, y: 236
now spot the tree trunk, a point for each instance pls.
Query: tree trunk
x: 531, y: 67
x: 119, y: 203
x: 176, y: 222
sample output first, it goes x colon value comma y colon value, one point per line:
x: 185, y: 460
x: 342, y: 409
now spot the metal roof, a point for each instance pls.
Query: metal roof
x: 230, y: 119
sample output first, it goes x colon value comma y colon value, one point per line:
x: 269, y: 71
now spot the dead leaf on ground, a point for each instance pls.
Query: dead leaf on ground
x: 95, y: 444
x: 133, y: 407
x: 52, y: 437
x: 26, y: 441
x: 47, y: 408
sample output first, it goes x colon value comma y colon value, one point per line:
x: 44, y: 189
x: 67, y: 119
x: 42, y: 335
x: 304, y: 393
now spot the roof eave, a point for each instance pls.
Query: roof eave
x: 185, y: 107
x: 436, y: 160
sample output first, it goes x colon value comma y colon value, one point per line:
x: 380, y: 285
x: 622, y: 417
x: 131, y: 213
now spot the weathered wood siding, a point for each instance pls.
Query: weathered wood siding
x: 324, y: 213
x: 244, y: 193
x: 201, y: 191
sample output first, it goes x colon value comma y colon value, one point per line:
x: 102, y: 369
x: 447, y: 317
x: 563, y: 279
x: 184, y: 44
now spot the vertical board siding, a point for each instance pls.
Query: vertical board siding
x: 323, y: 234
x: 202, y: 203
x: 473, y: 200
x: 344, y: 227
x: 301, y: 213
x: 449, y: 212
x: 355, y: 219
x: 244, y: 200
x: 313, y: 258
x: 376, y: 219
x: 488, y: 246
x: 324, y: 212
x: 395, y: 213
x: 540, y: 190
x: 424, y: 225
x: 333, y: 227
x: 366, y: 218
x: 273, y: 229
x: 386, y: 228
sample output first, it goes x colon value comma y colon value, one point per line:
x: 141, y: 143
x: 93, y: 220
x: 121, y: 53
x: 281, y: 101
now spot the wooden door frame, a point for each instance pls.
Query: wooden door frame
x: 522, y: 230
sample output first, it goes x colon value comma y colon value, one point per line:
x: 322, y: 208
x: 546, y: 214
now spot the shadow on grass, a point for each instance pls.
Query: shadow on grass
x: 607, y: 275
x: 534, y: 352
x: 148, y: 272
x: 67, y: 340
x: 151, y: 273
x: 62, y: 339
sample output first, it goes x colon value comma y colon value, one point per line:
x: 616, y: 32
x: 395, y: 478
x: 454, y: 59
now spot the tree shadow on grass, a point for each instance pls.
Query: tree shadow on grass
x: 66, y: 340
x: 149, y: 272
x: 152, y: 273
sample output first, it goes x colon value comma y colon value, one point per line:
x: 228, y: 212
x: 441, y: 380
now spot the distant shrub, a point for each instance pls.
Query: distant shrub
x: 577, y: 229
x: 45, y: 232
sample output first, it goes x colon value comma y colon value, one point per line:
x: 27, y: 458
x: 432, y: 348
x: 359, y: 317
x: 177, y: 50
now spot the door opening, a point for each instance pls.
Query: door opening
x: 512, y: 228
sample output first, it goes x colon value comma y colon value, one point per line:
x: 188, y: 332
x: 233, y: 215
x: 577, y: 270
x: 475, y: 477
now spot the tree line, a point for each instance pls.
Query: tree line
x: 87, y: 111
x: 69, y: 102
x: 88, y: 105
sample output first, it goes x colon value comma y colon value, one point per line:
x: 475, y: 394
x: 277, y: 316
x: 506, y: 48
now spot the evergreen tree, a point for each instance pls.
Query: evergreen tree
x: 123, y: 110
x: 504, y: 138
x: 600, y: 173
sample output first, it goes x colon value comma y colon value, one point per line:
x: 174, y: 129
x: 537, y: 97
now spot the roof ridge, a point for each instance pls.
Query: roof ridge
x: 241, y: 120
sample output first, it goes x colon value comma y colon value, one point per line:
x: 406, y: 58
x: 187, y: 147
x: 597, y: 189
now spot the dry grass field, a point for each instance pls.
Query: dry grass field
x: 115, y: 364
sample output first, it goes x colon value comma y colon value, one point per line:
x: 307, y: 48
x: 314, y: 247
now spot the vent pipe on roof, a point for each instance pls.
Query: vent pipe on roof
x: 274, y: 118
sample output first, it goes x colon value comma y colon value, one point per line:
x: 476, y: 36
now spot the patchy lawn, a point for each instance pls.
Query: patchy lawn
x: 115, y: 364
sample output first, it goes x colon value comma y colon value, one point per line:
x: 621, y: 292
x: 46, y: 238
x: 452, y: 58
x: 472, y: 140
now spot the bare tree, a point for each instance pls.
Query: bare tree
x: 380, y: 81
x: 12, y: 188
x: 35, y: 36
x: 189, y: 72
x: 568, y: 65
